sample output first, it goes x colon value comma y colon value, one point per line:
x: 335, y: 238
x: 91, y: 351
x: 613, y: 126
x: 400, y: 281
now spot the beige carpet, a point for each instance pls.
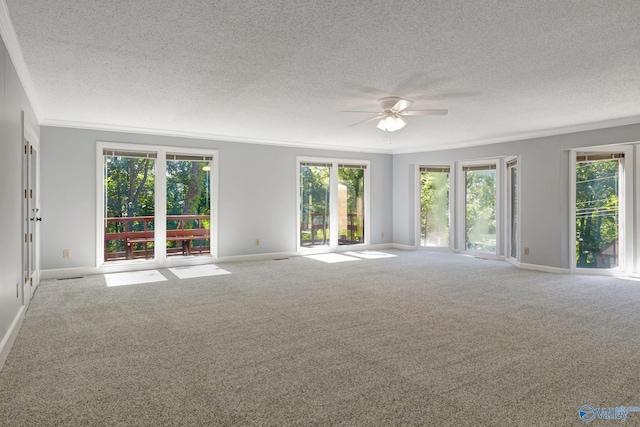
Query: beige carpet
x: 418, y: 339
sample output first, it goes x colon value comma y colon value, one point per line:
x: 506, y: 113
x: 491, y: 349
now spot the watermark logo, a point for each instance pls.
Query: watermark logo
x: 589, y: 413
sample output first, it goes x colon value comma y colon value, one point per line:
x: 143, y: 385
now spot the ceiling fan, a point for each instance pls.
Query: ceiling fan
x: 394, y: 111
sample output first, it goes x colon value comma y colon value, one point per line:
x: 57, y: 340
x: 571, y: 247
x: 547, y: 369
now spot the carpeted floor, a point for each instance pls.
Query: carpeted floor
x: 419, y: 339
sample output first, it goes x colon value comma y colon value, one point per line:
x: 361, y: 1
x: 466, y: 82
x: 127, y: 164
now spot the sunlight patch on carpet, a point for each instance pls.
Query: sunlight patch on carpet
x: 370, y: 254
x: 332, y: 258
x: 134, y: 278
x: 198, y: 271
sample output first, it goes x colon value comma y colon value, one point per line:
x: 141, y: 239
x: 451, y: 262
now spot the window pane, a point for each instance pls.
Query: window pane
x: 434, y: 208
x: 314, y: 205
x: 597, y: 210
x: 350, y: 205
x: 129, y: 201
x: 480, y: 209
x: 188, y: 206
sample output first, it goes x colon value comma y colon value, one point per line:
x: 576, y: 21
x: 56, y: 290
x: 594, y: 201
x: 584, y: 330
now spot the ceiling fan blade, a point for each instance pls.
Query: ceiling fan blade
x: 401, y: 105
x: 378, y: 117
x: 434, y: 112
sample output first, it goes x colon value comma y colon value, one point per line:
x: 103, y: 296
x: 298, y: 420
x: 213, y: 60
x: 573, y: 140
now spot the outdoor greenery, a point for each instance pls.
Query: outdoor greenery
x: 129, y: 184
x: 597, y: 208
x: 353, y: 181
x: 188, y: 191
x: 314, y: 201
x: 434, y: 208
x: 130, y: 192
x: 315, y: 194
x: 480, y: 225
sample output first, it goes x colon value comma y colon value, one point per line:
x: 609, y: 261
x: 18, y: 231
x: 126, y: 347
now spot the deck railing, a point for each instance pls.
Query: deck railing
x: 133, y: 237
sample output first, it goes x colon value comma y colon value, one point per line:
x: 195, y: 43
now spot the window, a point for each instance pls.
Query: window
x: 129, y: 204
x: 315, y: 202
x: 188, y: 223
x: 598, y: 191
x: 156, y: 203
x: 350, y: 204
x: 434, y: 206
x: 333, y: 203
x: 480, y: 200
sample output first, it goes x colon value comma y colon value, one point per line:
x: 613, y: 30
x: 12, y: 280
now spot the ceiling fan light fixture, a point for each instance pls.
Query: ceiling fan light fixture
x: 391, y: 123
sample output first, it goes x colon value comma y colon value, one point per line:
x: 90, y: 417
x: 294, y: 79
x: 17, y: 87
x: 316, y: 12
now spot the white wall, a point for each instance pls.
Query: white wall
x: 257, y: 193
x: 14, y: 100
x: 544, y: 178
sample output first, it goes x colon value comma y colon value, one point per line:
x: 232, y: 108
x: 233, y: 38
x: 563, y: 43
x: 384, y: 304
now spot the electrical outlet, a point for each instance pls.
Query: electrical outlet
x: 66, y: 253
x: 257, y: 242
x: 382, y: 235
x: 526, y: 251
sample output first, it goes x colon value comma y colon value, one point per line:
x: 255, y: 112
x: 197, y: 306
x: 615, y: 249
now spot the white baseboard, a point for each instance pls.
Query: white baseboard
x: 512, y: 262
x: 544, y: 268
x: 10, y: 336
x: 380, y: 246
x: 256, y: 257
x: 404, y: 247
x: 66, y: 273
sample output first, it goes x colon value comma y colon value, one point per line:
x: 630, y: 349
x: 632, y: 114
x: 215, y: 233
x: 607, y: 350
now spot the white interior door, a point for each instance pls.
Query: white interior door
x: 32, y: 218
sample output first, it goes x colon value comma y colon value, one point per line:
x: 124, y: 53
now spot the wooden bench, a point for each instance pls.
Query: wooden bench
x: 184, y: 236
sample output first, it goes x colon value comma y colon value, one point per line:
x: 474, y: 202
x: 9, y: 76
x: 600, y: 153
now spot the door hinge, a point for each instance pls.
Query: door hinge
x: 25, y: 237
x: 30, y: 237
x: 25, y: 149
x: 25, y: 193
x: 31, y: 149
x: 31, y: 194
x: 31, y: 282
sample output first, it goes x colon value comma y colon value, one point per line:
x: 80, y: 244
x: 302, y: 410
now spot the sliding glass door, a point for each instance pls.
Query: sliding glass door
x: 350, y: 204
x: 129, y: 205
x: 156, y: 203
x: 434, y: 206
x: 315, y: 197
x: 512, y: 207
x: 480, y: 197
x: 332, y: 200
x: 598, y: 178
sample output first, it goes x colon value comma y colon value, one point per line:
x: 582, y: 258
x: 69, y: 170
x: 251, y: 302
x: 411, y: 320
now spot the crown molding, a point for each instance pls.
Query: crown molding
x: 564, y: 130
x: 15, y: 53
x: 205, y: 136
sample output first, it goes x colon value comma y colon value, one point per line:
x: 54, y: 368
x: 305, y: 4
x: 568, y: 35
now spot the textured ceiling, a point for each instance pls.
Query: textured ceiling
x: 283, y: 71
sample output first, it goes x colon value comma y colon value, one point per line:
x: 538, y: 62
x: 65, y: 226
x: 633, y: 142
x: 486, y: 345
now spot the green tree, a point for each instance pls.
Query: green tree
x: 480, y: 209
x: 353, y: 180
x: 314, y: 199
x: 434, y: 207
x: 129, y: 186
x: 596, y: 210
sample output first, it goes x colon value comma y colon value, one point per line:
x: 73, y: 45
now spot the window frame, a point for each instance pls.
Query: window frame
x: 461, y: 213
x: 333, y: 203
x: 626, y: 243
x: 452, y: 206
x: 160, y: 258
x: 508, y: 162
